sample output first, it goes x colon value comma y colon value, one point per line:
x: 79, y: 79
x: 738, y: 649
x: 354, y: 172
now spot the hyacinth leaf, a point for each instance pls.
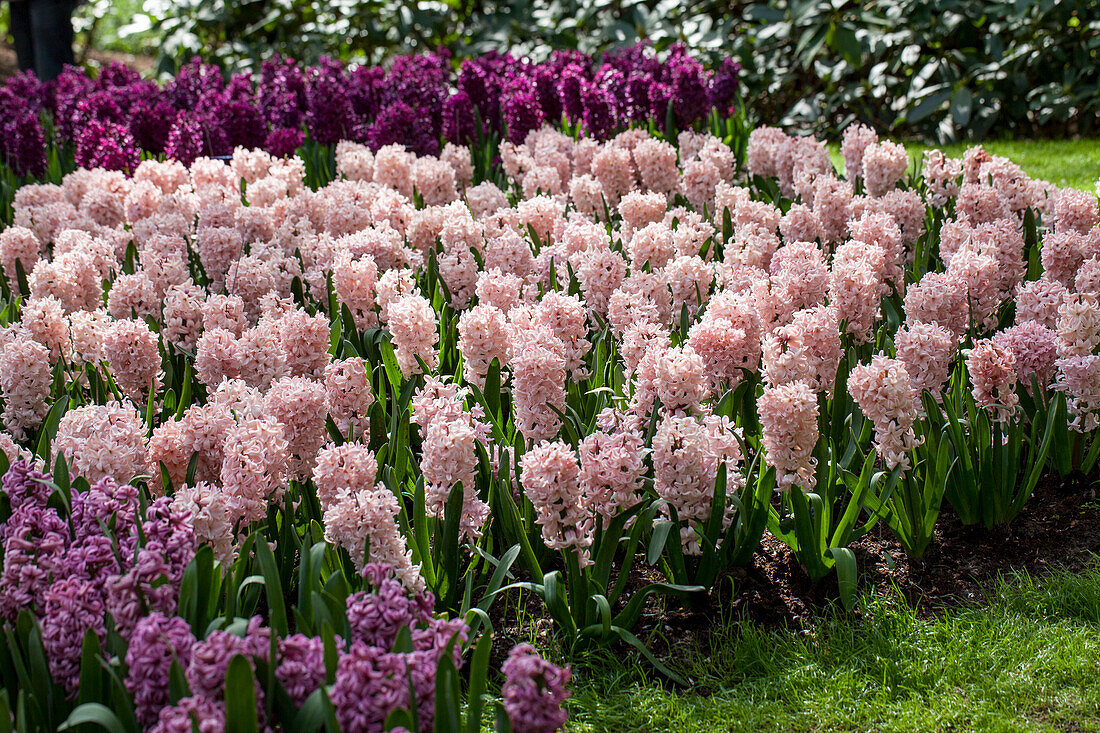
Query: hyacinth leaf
x: 557, y: 600
x: 27, y: 628
x: 845, y: 562
x: 93, y: 713
x: 14, y: 663
x: 479, y: 682
x: 632, y: 611
x: 448, y: 715
x: 400, y: 718
x: 605, y: 613
x: 311, y: 716
x: 198, y: 596
x: 273, y: 586
x: 645, y: 519
x: 713, y: 527
x: 62, y: 481
x: 389, y: 361
x: 752, y: 520
x: 503, y: 724
x: 6, y: 717
x: 309, y: 577
x: 635, y: 642
x: 91, y: 675
x: 240, y: 697
x: 658, y: 540
x: 503, y: 568
x: 277, y: 703
x: 120, y: 699
x: 509, y: 516
x: 607, y: 544
x: 21, y: 277
x: 49, y: 427
x: 447, y: 584
x: 1039, y: 461
x: 177, y: 683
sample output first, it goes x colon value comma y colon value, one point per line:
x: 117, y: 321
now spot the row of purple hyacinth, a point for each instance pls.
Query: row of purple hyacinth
x: 415, y: 100
x: 107, y: 567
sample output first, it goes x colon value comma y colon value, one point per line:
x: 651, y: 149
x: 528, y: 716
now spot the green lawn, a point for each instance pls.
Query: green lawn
x: 1074, y: 163
x: 1027, y: 660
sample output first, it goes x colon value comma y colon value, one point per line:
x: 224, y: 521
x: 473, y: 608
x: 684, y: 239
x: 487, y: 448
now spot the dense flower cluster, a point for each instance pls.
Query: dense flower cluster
x: 111, y: 118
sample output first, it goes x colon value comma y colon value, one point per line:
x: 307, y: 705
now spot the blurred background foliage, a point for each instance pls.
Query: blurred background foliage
x: 933, y: 69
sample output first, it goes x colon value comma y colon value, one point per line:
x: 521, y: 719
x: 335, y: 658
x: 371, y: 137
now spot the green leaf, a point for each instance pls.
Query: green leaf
x: 240, y: 697
x: 273, y: 586
x: 961, y: 105
x: 659, y: 539
x: 311, y: 716
x: 91, y: 675
x: 93, y: 713
x: 479, y: 675
x: 635, y: 642
x: 845, y: 574
x: 448, y: 697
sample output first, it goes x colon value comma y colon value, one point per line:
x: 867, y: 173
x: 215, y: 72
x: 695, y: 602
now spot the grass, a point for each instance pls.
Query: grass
x: 1073, y: 163
x: 1026, y: 660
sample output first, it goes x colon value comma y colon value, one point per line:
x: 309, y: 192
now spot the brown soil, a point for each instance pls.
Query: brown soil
x: 1059, y: 528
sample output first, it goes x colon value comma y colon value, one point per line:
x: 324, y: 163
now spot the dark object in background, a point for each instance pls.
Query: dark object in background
x: 43, y: 34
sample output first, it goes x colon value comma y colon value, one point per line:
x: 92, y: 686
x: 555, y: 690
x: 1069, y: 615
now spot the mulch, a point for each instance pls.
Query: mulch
x: 1059, y: 529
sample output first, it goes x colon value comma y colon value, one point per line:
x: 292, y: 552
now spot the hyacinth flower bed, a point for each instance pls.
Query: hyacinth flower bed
x: 279, y: 448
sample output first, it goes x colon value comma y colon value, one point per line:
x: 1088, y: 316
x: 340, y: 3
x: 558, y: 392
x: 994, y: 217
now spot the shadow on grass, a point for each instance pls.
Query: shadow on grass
x: 1028, y: 658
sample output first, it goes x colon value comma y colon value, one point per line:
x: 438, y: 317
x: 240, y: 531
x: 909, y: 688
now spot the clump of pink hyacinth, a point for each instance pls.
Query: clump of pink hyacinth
x: 884, y: 164
x: 788, y: 416
x: 450, y: 436
x: 992, y: 369
x: 885, y: 394
x: 482, y: 337
x: 727, y: 338
x: 44, y: 319
x: 412, y: 321
x: 927, y: 350
x: 1035, y: 348
x: 350, y: 395
x: 941, y: 176
x: 1039, y: 301
x: 254, y: 466
x: 612, y: 467
x: 103, y: 440
x: 1078, y: 325
x: 941, y: 299
x: 857, y: 286
x: 133, y: 355
x: 1079, y: 379
x: 854, y: 143
x: 24, y: 383
x: 298, y: 403
x: 680, y: 379
x: 305, y: 341
x: 449, y: 457
x: 366, y: 517
x: 551, y: 479
x: 818, y: 330
x: 687, y: 453
x: 213, y: 518
x: 538, y: 381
